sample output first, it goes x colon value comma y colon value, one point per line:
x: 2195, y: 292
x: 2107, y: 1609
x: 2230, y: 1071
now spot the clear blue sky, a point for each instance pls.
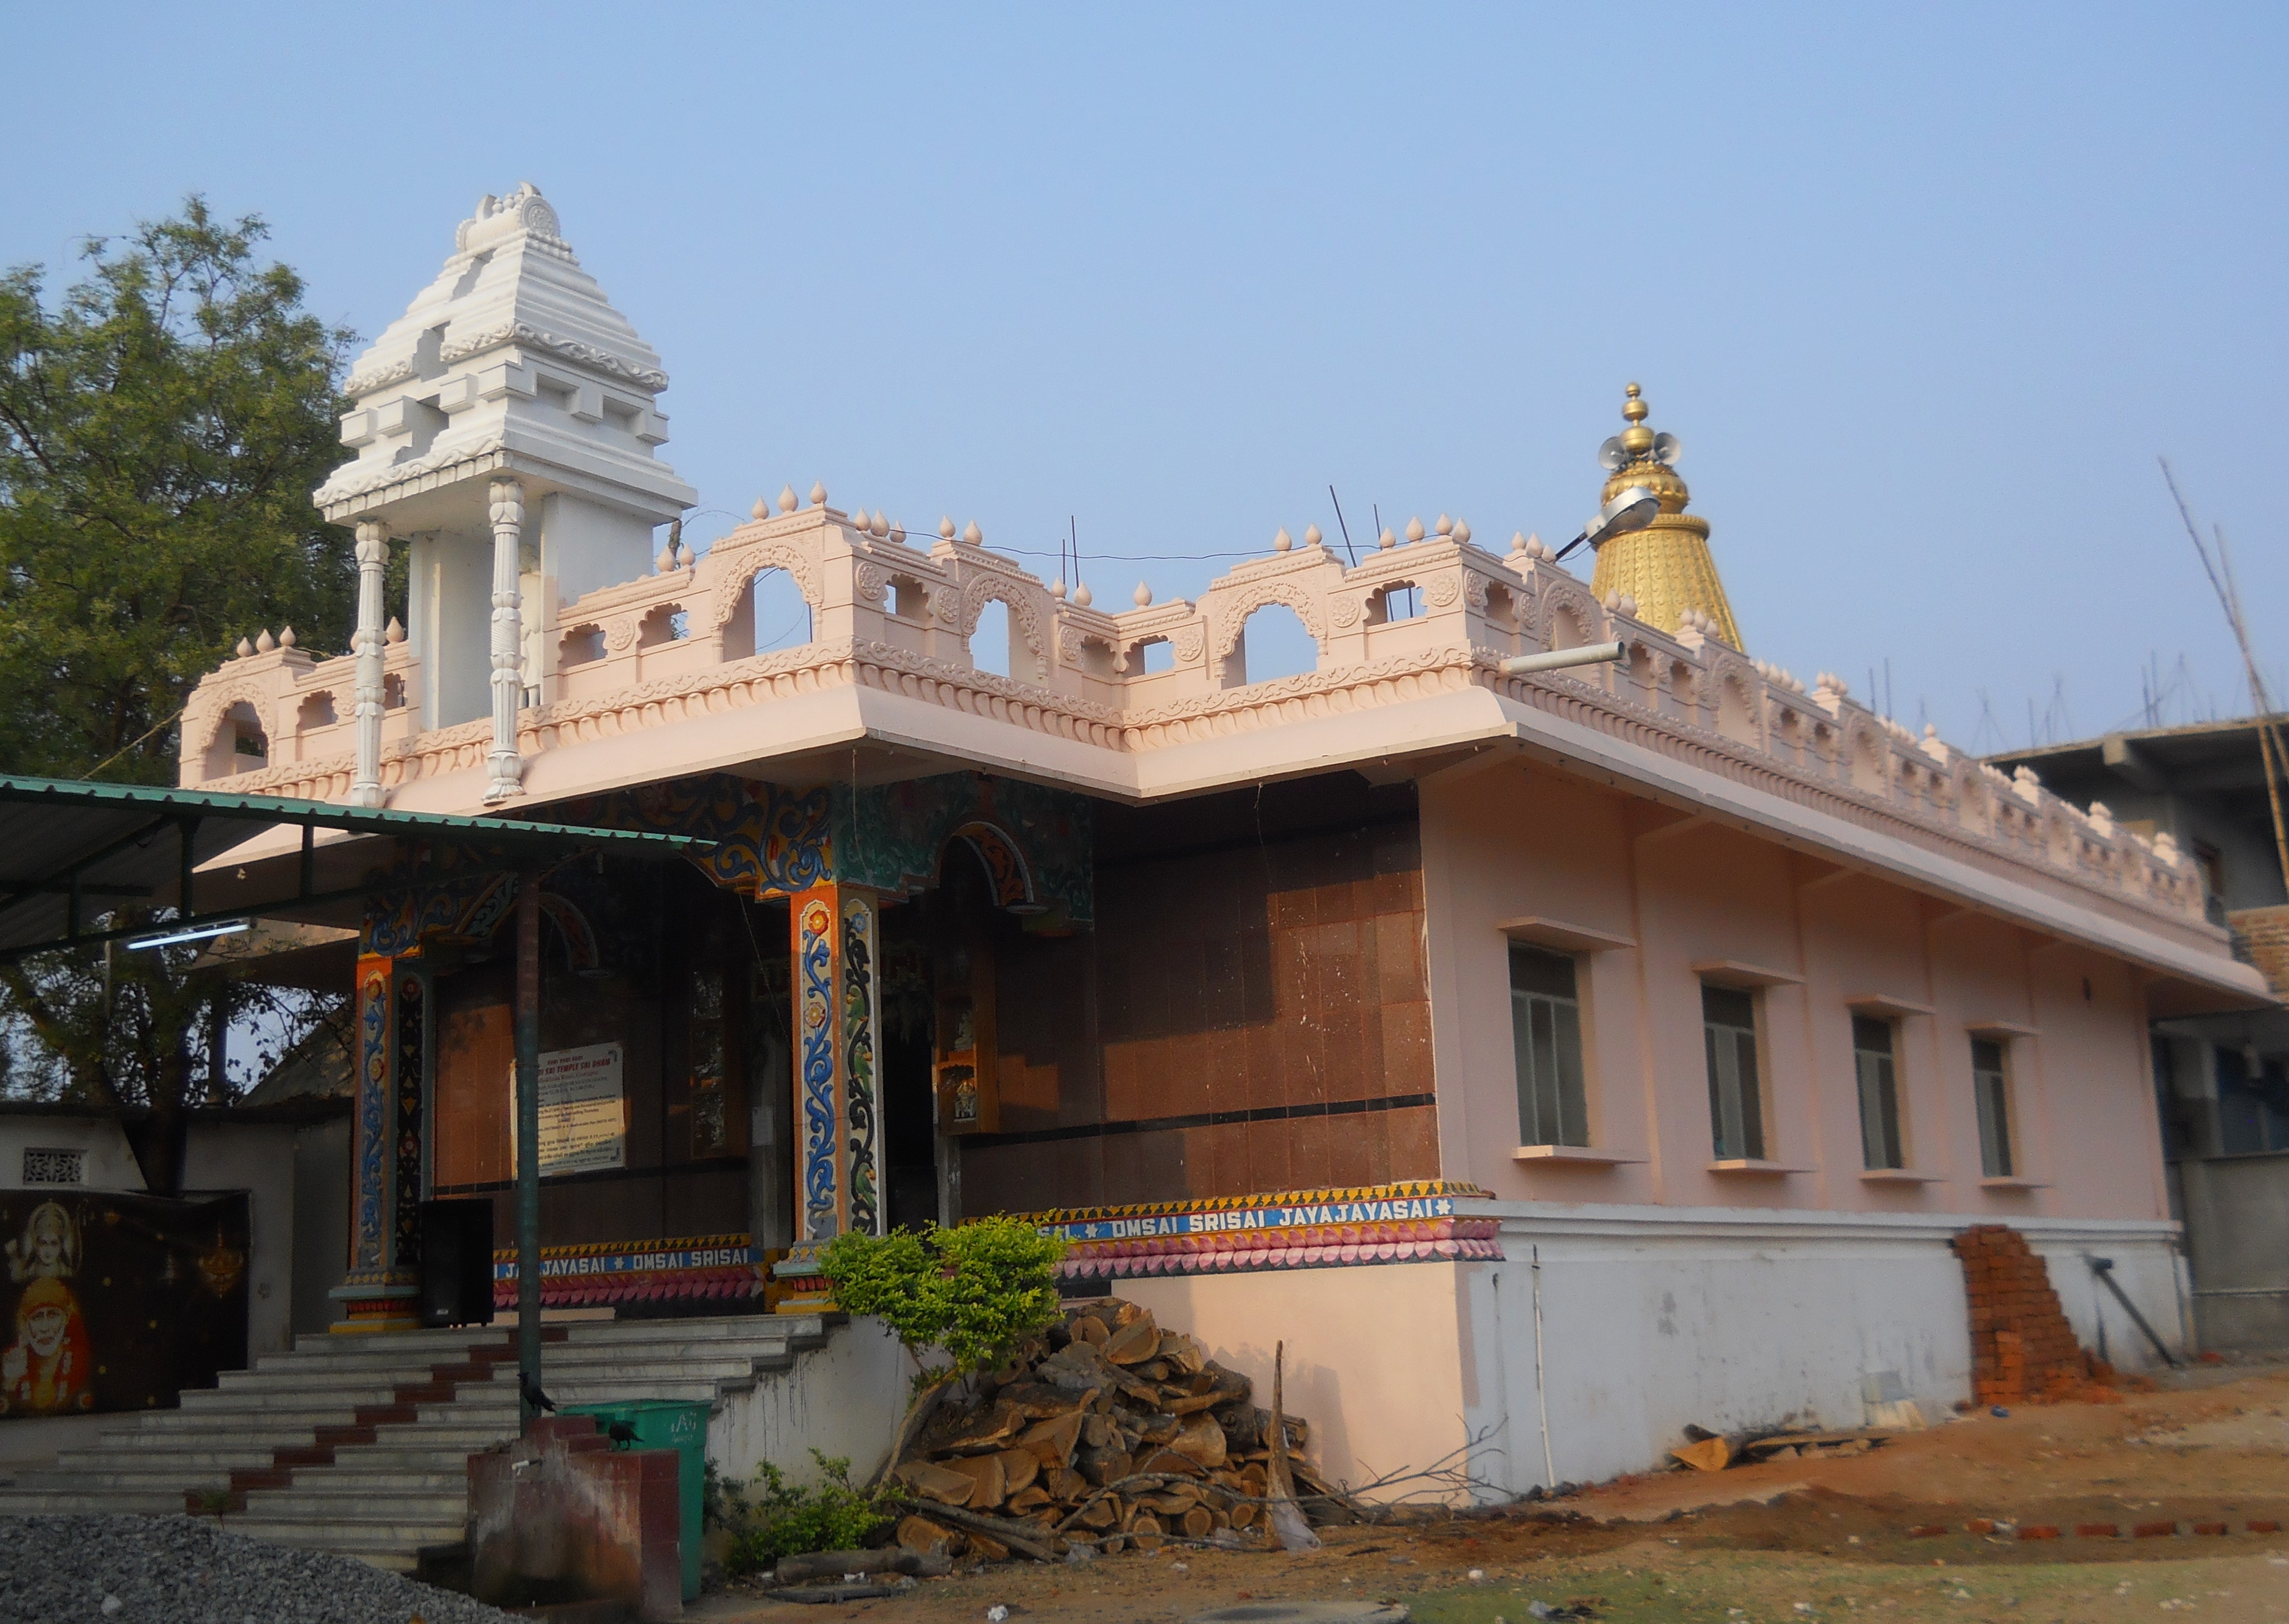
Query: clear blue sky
x: 1924, y: 289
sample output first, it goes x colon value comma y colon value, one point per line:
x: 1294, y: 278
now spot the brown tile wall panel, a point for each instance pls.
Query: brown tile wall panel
x: 1414, y: 1135
x: 475, y: 1053
x: 1227, y: 975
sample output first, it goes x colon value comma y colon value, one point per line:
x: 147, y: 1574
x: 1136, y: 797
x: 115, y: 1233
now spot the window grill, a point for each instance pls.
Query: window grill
x: 53, y: 1167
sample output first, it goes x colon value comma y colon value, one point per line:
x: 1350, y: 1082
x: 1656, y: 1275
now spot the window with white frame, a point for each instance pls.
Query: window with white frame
x: 1991, y: 1084
x: 1876, y: 1069
x: 53, y: 1167
x: 1736, y: 1108
x: 1545, y: 1017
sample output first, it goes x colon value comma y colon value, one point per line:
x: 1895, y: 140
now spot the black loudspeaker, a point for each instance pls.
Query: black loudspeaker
x: 457, y: 1262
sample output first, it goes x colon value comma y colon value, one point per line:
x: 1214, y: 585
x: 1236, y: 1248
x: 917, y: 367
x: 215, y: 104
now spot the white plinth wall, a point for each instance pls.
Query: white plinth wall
x: 1726, y: 1317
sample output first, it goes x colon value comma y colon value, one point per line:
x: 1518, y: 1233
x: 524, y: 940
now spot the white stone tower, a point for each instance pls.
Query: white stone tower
x: 506, y: 429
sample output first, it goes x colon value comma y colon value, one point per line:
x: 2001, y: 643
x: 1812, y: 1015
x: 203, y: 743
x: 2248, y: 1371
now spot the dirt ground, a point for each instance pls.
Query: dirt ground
x: 1785, y: 1541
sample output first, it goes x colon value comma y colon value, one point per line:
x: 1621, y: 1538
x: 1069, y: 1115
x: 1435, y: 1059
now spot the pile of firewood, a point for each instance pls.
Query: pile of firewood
x: 1107, y: 1429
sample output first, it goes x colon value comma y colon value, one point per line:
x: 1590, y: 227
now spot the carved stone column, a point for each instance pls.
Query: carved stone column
x: 506, y: 766
x: 372, y: 561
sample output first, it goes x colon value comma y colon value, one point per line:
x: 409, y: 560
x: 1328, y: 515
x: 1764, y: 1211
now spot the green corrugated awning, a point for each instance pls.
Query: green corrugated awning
x: 72, y: 850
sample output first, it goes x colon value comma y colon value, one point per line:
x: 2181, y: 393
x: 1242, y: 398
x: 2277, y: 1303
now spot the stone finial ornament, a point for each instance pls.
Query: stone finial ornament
x: 1462, y: 530
x: 1083, y: 596
x: 1313, y: 535
x: 683, y: 555
x: 1414, y: 530
x: 1057, y: 589
x: 286, y: 638
x: 664, y: 559
x: 1446, y: 526
x: 264, y: 643
x: 879, y: 527
x: 945, y: 527
x: 1143, y: 595
x: 1386, y: 540
x: 818, y: 493
x: 787, y: 500
x: 972, y: 534
x: 1283, y: 542
x: 244, y: 648
x: 394, y: 632
x: 761, y: 510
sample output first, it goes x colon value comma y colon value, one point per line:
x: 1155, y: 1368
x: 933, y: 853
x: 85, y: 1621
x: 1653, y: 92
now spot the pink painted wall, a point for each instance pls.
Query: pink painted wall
x: 1518, y: 841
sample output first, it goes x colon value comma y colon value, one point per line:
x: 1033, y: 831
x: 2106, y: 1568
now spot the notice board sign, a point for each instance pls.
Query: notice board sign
x: 584, y: 1126
x: 117, y: 1302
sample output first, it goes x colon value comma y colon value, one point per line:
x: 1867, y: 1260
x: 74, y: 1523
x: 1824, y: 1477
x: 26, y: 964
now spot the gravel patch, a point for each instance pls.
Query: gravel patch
x: 180, y: 1570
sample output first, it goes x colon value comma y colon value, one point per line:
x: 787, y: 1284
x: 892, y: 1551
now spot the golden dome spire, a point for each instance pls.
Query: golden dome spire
x: 1666, y: 566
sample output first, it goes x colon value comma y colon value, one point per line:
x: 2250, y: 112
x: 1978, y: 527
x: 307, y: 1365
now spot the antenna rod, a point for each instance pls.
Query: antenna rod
x: 2270, y: 750
x: 1346, y: 529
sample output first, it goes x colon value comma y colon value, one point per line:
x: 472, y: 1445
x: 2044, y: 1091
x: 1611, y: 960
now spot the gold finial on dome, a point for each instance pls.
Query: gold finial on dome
x: 1637, y: 439
x: 1666, y: 566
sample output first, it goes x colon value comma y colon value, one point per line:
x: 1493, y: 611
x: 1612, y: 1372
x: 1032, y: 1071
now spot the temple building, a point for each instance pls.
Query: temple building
x: 1549, y: 1058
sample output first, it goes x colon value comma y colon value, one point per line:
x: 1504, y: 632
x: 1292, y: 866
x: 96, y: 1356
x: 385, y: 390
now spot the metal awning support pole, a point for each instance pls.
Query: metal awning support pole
x: 527, y: 1142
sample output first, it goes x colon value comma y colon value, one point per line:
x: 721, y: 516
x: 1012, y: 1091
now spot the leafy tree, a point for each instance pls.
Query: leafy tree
x: 968, y: 1295
x: 161, y: 426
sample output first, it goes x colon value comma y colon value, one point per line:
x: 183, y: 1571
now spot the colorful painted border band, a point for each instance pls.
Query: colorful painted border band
x: 709, y: 1267
x: 1409, y: 1189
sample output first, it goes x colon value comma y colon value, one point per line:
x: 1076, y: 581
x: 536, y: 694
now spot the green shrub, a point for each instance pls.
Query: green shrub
x: 971, y: 1293
x: 785, y: 1519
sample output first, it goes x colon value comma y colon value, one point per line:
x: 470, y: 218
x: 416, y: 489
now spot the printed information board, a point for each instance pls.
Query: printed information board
x: 583, y: 1123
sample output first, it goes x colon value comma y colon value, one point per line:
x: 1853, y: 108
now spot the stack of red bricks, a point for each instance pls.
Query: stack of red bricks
x: 2022, y: 1351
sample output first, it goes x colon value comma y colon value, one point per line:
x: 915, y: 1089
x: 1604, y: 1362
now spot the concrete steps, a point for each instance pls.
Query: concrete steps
x: 360, y: 1445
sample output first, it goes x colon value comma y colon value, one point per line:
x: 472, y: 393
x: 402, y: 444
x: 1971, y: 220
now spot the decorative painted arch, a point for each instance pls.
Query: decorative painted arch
x: 579, y: 936
x: 1005, y: 863
x: 1232, y: 613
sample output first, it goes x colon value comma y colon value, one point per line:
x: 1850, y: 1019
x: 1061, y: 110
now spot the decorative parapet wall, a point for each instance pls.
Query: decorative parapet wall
x: 894, y: 617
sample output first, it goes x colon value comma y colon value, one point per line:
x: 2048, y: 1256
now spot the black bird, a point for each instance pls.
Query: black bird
x: 621, y: 1434
x: 529, y: 1390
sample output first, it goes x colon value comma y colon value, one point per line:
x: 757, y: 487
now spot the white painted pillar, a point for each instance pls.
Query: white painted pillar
x: 373, y: 559
x: 506, y: 766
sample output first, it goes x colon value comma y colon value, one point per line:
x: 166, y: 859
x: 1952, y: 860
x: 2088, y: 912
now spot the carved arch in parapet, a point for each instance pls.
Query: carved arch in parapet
x: 1974, y: 797
x: 732, y: 609
x: 1867, y: 756
x: 216, y: 725
x: 740, y: 562
x: 1737, y: 688
x: 1232, y: 610
x: 986, y: 587
x: 1568, y: 616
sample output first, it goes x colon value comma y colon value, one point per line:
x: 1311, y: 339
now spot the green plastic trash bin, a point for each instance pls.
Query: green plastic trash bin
x: 669, y: 1424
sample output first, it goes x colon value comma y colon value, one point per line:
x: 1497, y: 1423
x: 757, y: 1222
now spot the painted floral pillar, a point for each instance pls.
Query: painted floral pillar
x: 838, y: 1101
x: 387, y: 1147
x: 837, y: 1080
